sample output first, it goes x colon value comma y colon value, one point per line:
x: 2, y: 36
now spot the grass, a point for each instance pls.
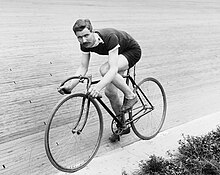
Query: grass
x: 196, y: 155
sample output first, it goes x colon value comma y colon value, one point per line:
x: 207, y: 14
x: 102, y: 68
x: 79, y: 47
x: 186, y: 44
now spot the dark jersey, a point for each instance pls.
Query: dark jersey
x: 112, y: 38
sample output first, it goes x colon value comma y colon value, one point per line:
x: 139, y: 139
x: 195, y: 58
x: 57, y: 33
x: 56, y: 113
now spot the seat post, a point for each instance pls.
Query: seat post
x: 127, y: 79
x: 134, y: 71
x: 128, y: 74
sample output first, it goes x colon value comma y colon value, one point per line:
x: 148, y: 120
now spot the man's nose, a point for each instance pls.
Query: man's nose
x: 84, y: 39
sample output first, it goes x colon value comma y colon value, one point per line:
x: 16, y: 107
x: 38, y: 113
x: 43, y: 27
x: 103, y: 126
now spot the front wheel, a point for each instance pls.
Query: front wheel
x: 149, y: 113
x: 73, y: 133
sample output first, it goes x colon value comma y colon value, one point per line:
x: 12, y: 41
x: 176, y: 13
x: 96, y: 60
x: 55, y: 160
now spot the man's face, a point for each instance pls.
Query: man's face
x: 86, y: 38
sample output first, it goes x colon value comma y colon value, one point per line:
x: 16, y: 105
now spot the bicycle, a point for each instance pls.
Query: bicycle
x: 75, y: 127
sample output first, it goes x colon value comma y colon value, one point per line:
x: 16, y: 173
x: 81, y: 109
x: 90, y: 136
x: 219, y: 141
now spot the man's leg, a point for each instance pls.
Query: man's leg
x: 112, y: 93
x: 118, y: 82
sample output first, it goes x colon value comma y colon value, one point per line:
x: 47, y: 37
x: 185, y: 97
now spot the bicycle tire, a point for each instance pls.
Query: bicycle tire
x: 151, y: 122
x: 68, y: 149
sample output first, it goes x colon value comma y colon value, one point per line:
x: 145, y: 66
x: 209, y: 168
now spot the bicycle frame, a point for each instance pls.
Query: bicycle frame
x: 128, y: 78
x: 106, y: 107
x: 132, y: 80
x: 88, y: 108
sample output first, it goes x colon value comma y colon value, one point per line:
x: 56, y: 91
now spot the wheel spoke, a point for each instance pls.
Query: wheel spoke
x: 149, y: 113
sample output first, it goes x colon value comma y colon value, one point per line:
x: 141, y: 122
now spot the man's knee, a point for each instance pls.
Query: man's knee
x: 111, y: 93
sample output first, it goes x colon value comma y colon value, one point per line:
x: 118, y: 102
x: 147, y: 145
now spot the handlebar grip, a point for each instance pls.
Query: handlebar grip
x: 66, y: 91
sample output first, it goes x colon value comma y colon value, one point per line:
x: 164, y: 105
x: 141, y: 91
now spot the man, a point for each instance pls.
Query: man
x: 123, y: 53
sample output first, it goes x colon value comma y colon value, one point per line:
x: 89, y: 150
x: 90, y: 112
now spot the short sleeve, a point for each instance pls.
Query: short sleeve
x: 112, y: 42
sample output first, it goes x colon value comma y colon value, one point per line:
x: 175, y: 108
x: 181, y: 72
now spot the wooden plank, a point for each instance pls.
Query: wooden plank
x: 180, y: 43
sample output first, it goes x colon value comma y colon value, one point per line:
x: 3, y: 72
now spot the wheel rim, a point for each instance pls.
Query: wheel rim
x: 153, y: 118
x: 68, y: 148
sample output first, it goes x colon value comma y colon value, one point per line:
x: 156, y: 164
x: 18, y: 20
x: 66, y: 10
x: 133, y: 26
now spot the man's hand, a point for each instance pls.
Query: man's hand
x: 94, y: 92
x: 64, y: 90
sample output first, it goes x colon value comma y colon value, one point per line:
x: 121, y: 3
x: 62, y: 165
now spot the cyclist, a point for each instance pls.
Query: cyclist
x: 123, y: 53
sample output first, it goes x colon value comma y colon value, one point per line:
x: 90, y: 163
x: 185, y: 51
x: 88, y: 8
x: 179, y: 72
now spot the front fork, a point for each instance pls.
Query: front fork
x: 76, y: 130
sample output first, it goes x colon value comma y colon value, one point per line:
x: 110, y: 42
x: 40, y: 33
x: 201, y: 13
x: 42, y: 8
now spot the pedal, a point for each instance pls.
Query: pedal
x: 125, y: 131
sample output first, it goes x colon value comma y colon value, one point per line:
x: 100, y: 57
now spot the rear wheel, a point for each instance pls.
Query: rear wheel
x: 73, y: 133
x: 149, y: 113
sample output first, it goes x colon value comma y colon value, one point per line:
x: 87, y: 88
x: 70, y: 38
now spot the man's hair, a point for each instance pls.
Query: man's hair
x: 81, y: 24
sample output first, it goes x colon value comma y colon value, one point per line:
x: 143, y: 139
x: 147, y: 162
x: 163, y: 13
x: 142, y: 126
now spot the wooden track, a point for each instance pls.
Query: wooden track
x: 180, y: 42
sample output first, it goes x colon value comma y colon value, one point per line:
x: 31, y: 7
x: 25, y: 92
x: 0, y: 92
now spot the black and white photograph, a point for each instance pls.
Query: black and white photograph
x: 116, y: 87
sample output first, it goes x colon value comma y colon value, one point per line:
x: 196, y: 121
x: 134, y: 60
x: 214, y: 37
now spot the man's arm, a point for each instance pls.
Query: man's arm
x: 109, y: 76
x: 82, y: 70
